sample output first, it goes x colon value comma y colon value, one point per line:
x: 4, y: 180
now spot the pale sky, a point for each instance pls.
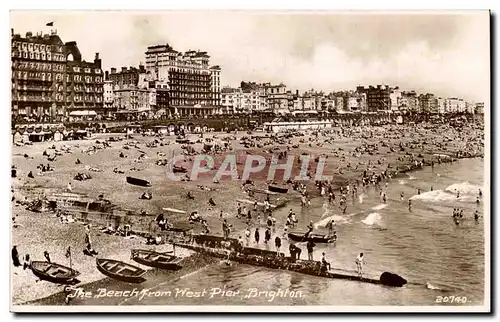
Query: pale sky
x: 444, y: 53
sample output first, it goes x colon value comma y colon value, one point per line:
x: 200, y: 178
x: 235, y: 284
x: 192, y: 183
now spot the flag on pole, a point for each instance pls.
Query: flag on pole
x: 50, y: 24
x: 68, y: 252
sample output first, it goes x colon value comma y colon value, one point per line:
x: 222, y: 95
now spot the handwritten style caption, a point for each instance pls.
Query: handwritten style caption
x: 209, y: 293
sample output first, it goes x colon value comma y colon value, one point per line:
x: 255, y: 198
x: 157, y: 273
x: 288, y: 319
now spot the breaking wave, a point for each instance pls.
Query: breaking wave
x: 442, y: 196
x: 465, y: 188
x: 372, y: 219
x: 323, y: 222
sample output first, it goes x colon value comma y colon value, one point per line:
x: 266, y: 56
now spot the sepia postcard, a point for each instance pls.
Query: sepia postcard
x: 250, y: 161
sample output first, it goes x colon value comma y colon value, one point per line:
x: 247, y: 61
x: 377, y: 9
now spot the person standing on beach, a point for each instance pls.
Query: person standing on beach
x: 360, y: 261
x: 267, y: 235
x: 277, y: 243
x: 257, y: 235
x: 331, y: 226
x: 409, y: 204
x: 69, y: 188
x: 15, y: 257
x: 310, y: 249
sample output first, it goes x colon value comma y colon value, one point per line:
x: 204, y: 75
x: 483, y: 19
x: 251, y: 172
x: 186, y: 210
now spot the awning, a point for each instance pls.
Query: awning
x: 126, y: 112
x: 83, y: 113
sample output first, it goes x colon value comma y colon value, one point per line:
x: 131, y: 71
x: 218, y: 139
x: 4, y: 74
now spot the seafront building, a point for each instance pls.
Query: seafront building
x: 194, y: 86
x: 378, y: 98
x: 50, y: 80
x: 428, y: 103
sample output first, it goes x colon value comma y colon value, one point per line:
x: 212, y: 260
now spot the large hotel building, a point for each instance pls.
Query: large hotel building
x: 193, y: 86
x: 51, y: 82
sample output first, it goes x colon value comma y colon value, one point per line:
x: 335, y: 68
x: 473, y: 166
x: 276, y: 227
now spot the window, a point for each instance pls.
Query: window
x: 42, y: 47
x: 32, y: 65
x: 49, y: 56
x: 36, y: 47
x: 76, y: 69
x: 25, y: 45
x: 87, y: 70
x: 30, y: 47
x: 25, y: 55
x: 31, y: 55
x: 43, y: 56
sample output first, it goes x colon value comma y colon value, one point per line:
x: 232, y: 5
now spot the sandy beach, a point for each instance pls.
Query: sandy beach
x: 351, y: 151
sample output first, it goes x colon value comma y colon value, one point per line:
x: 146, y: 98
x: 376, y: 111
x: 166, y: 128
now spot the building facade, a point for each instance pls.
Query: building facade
x: 377, y: 98
x: 194, y: 87
x: 84, y: 84
x: 395, y: 97
x: 38, y: 74
x: 409, y: 101
x: 51, y: 82
x: 108, y: 95
x: 132, y: 99
x: 126, y: 77
x: 479, y: 108
x: 277, y: 97
x: 428, y: 103
x: 239, y: 100
x: 457, y: 105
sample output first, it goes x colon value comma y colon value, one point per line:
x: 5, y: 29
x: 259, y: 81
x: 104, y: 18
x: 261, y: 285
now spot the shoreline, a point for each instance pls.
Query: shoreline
x: 173, y: 191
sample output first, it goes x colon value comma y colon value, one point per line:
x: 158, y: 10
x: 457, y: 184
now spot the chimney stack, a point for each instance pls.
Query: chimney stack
x: 124, y: 69
x: 97, y: 60
x: 113, y: 70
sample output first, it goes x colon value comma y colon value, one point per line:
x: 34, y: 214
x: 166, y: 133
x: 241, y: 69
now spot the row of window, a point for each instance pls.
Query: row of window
x: 38, y: 66
x: 38, y: 56
x: 87, y: 70
x: 34, y: 75
x: 36, y: 47
x: 80, y: 98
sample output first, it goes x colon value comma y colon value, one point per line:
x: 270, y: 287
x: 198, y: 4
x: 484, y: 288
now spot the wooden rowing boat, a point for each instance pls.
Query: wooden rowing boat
x: 138, y: 182
x: 120, y: 271
x: 53, y: 272
x: 277, y: 189
x: 155, y: 259
x: 317, y: 238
